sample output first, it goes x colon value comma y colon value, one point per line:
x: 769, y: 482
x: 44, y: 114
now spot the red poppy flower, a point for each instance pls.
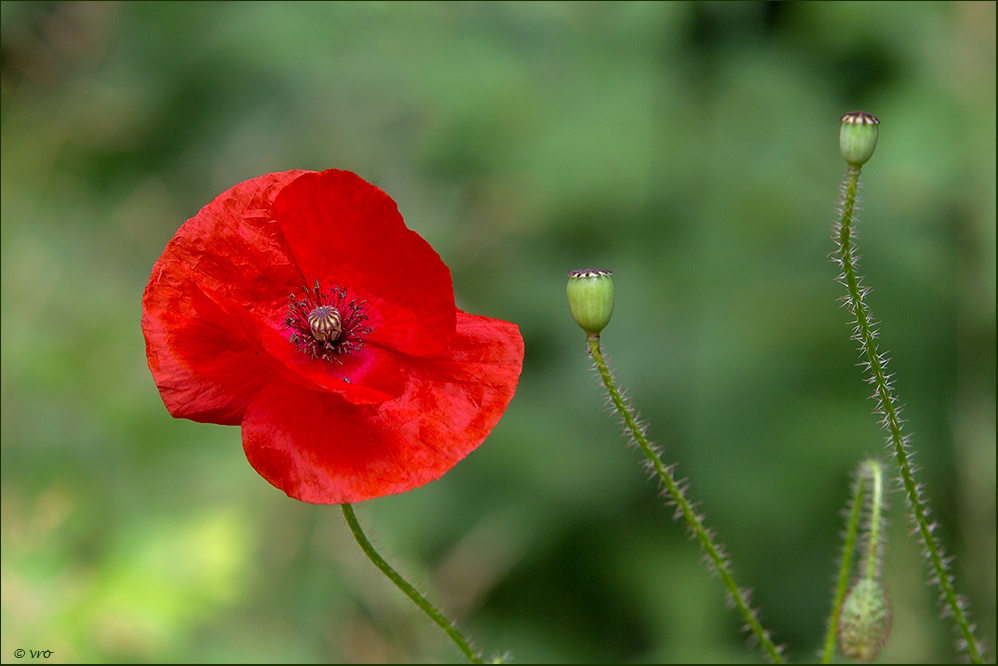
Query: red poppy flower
x: 299, y: 306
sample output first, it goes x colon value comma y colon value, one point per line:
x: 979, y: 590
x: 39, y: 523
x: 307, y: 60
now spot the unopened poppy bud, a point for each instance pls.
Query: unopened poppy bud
x: 858, y: 137
x: 590, y: 298
x: 866, y: 621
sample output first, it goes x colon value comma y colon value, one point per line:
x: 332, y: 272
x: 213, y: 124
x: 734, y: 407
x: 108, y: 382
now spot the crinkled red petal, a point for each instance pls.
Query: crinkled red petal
x: 205, y: 364
x: 234, y: 250
x: 319, y: 448
x: 366, y: 245
x: 206, y: 368
x: 234, y: 254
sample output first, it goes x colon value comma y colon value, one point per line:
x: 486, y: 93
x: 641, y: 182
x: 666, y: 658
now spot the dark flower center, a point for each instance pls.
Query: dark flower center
x: 324, y: 324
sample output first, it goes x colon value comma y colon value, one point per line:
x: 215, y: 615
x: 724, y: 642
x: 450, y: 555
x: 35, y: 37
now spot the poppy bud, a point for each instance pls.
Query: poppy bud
x: 590, y: 298
x: 866, y: 620
x: 858, y: 137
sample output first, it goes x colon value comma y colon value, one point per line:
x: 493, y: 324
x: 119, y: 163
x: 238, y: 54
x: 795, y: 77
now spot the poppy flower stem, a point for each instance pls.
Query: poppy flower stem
x: 889, y: 408
x: 403, y: 585
x: 716, y: 559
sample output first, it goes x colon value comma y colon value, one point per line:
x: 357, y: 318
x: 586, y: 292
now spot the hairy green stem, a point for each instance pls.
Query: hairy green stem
x: 852, y: 529
x: 695, y: 521
x: 887, y: 405
x: 876, y: 505
x: 408, y: 589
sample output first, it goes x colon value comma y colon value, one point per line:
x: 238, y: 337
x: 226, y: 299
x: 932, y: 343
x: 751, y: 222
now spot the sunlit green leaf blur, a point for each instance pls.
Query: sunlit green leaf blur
x: 692, y: 149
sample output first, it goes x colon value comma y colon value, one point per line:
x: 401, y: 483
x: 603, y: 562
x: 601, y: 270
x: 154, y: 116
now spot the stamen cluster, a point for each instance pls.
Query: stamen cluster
x: 324, y: 324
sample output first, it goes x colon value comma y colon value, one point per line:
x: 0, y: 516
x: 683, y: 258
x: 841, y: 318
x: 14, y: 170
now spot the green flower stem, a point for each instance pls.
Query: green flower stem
x: 871, y: 472
x: 876, y: 504
x: 866, y: 336
x: 843, y: 585
x: 409, y: 590
x: 694, y: 520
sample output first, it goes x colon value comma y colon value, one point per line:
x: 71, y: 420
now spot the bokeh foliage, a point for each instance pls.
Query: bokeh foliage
x: 691, y: 148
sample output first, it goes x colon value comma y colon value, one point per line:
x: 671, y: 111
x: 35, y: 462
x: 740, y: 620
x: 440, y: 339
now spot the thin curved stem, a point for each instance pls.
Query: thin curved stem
x: 408, y: 589
x: 876, y: 506
x: 852, y: 529
x: 887, y: 405
x: 694, y: 520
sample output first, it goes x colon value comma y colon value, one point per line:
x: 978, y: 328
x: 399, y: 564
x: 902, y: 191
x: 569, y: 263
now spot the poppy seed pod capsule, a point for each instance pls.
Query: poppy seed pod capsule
x: 590, y: 298
x: 865, y: 621
x: 326, y: 323
x: 858, y: 137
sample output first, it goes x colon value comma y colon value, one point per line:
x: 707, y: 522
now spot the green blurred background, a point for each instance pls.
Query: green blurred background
x: 691, y: 148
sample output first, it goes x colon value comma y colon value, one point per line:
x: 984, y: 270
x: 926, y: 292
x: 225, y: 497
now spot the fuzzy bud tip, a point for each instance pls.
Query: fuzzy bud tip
x: 866, y: 621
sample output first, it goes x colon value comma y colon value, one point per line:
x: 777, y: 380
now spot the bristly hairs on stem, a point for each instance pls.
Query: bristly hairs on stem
x: 858, y: 139
x: 590, y: 300
x: 714, y: 557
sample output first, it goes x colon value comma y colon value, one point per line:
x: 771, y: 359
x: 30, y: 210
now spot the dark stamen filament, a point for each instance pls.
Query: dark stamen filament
x: 324, y: 324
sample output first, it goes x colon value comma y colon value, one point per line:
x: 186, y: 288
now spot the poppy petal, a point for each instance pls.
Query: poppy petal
x: 205, y: 366
x: 366, y: 245
x: 318, y: 448
x: 234, y: 250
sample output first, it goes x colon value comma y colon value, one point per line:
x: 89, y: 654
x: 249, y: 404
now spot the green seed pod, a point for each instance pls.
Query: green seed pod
x: 866, y: 621
x: 590, y: 298
x: 858, y: 137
